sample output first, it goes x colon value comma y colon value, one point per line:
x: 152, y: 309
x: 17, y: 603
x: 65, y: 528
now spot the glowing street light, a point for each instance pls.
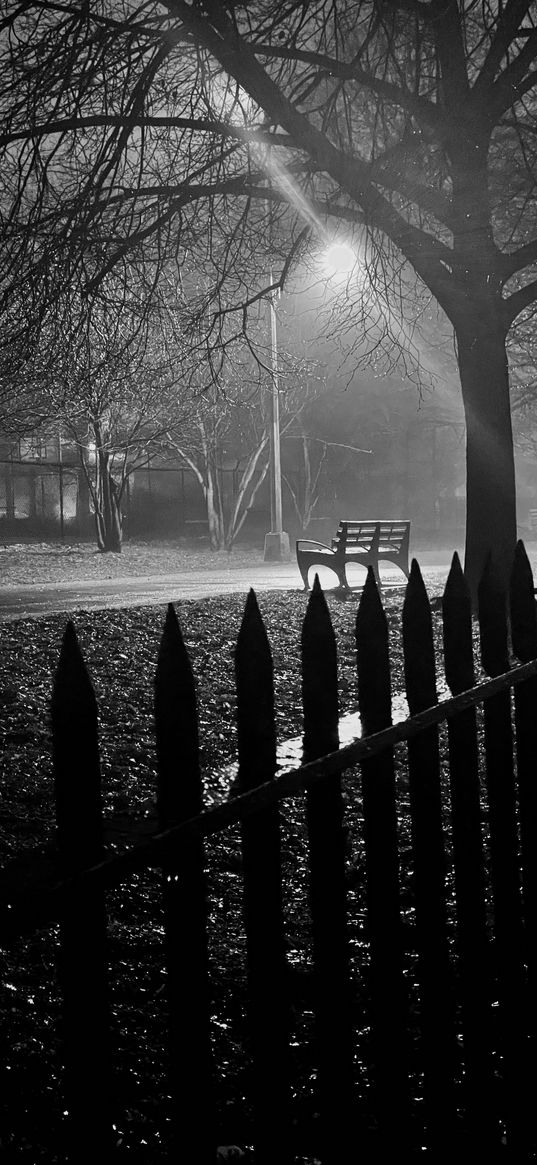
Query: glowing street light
x: 338, y: 260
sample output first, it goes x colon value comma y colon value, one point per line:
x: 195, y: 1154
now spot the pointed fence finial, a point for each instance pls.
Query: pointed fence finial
x: 419, y: 661
x: 319, y: 677
x: 179, y: 789
x: 523, y: 609
x: 255, y: 699
x: 373, y: 661
x: 251, y: 606
x: 457, y: 630
x: 75, y: 753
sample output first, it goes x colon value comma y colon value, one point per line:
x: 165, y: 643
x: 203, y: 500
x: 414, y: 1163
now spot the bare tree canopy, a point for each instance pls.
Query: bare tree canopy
x: 163, y: 130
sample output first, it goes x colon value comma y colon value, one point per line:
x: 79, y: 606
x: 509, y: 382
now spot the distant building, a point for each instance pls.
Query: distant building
x: 44, y: 494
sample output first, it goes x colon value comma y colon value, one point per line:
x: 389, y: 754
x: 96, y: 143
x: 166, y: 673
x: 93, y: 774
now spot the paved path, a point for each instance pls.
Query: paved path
x: 17, y: 602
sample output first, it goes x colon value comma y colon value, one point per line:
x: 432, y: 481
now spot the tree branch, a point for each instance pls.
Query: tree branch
x: 508, y: 24
x: 518, y: 300
x: 517, y: 260
x: 424, y: 111
x: 426, y: 253
x: 512, y: 85
x: 249, y: 137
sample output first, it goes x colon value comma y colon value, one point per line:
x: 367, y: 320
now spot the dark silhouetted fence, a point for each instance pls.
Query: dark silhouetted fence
x: 449, y: 980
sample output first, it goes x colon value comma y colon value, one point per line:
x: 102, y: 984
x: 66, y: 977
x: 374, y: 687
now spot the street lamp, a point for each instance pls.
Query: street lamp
x: 338, y: 261
x: 277, y: 541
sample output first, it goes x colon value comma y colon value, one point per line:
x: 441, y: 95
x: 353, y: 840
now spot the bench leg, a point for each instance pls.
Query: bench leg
x: 304, y: 572
x: 339, y: 569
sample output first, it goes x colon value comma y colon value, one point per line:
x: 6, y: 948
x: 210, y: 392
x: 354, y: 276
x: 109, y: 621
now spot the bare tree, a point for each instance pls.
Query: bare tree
x: 306, y: 494
x: 413, y: 124
x: 201, y: 445
x: 113, y: 383
x: 234, y: 420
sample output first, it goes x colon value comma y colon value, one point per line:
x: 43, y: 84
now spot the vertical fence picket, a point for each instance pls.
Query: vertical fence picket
x: 83, y: 950
x: 179, y: 797
x: 505, y: 876
x: 268, y: 1007
x: 429, y: 860
x: 524, y: 641
x: 468, y: 856
x: 324, y: 805
x: 523, y: 613
x: 387, y: 994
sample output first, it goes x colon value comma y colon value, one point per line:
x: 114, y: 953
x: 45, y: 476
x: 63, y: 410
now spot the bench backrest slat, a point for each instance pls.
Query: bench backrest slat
x: 391, y: 536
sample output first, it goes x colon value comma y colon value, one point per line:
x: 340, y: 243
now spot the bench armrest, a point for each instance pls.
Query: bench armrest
x: 311, y: 542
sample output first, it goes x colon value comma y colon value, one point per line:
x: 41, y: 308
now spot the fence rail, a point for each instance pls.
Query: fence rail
x: 461, y: 1025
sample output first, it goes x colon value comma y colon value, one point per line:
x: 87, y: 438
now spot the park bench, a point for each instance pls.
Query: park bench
x: 359, y: 542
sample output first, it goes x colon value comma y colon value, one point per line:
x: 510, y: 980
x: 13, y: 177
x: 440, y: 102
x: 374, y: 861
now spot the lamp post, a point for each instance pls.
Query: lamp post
x: 339, y: 259
x: 276, y: 541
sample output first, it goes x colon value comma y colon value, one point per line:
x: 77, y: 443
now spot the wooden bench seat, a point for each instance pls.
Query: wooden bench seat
x: 363, y: 543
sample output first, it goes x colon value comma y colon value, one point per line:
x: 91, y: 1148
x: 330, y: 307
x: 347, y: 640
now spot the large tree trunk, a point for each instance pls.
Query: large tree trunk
x: 108, y: 519
x: 490, y: 470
